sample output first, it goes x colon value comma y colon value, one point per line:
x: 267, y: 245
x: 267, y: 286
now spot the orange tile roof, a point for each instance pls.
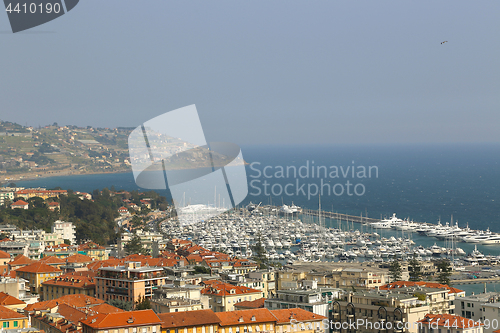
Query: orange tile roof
x: 70, y: 313
x: 70, y: 280
x: 79, y: 258
x: 52, y: 260
x: 4, y: 255
x: 242, y: 317
x: 6, y: 299
x: 255, y: 304
x: 54, y: 203
x: 402, y: 284
x: 19, y: 203
x: 123, y: 319
x: 38, y: 267
x: 188, y: 318
x: 6, y: 313
x: 76, y: 301
x: 21, y: 260
x: 221, y: 288
x: 300, y: 315
x: 449, y: 321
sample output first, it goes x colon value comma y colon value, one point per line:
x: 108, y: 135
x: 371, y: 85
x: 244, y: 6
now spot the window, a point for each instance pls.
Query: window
x: 15, y: 323
x: 5, y: 324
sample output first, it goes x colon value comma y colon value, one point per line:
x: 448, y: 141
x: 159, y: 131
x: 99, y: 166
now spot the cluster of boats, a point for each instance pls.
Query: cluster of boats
x: 286, y: 238
x: 449, y: 231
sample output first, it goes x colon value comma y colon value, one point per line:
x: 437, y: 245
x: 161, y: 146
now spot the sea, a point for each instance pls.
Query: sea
x: 450, y: 183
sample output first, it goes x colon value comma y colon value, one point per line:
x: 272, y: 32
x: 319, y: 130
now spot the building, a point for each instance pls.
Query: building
x: 4, y: 260
x: 200, y: 321
x: 172, y: 298
x: 222, y: 296
x: 448, y: 323
x: 6, y: 196
x: 42, y: 193
x: 142, y: 321
x: 490, y: 315
x: 21, y: 204
x: 11, y: 302
x: 315, y: 300
x: 296, y: 319
x: 10, y: 319
x: 471, y: 307
x: 37, y: 273
x: 65, y: 229
x: 68, y: 284
x: 256, y: 320
x: 54, y: 205
x: 93, y: 250
x: 128, y: 283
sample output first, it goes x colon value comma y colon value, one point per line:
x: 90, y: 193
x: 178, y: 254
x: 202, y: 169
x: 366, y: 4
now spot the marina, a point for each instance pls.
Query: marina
x: 290, y: 233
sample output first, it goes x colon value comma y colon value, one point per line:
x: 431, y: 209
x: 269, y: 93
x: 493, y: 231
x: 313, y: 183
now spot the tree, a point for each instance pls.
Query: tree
x: 260, y: 252
x: 67, y: 241
x: 444, y: 270
x: 142, y: 304
x: 135, y: 246
x: 415, y: 270
x: 395, y: 271
x: 201, y: 270
x: 124, y: 305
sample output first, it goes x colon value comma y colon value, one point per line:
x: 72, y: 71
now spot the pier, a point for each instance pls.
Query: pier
x: 339, y: 216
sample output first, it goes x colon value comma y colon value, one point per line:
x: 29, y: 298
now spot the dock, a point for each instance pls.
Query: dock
x: 339, y: 216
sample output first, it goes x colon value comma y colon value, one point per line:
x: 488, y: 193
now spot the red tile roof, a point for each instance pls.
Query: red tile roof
x: 79, y: 258
x: 255, y: 304
x: 52, y: 260
x: 300, y: 315
x: 123, y: 319
x: 20, y: 260
x: 188, y: 318
x: 6, y: 299
x: 221, y: 288
x: 4, y: 255
x: 76, y: 301
x: 38, y: 267
x: 242, y: 317
x: 106, y: 308
x: 449, y: 321
x: 70, y: 280
x: 19, y: 203
x: 6, y: 313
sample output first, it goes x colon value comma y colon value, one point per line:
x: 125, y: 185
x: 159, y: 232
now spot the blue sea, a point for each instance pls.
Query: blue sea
x: 426, y: 183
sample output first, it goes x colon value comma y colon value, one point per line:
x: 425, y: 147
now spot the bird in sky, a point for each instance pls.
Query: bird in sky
x: 444, y: 42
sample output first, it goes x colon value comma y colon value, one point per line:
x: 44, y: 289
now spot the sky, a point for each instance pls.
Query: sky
x: 262, y: 72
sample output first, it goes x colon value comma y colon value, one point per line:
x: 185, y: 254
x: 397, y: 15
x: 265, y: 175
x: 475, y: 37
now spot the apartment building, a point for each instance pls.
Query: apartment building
x: 66, y: 230
x: 36, y: 274
x: 222, y: 296
x: 129, y: 282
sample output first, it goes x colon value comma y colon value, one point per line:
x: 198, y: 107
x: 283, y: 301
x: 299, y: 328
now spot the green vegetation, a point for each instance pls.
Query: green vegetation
x: 395, y: 271
x: 415, y: 270
x: 127, y: 306
x: 93, y: 219
x: 260, y: 253
x: 135, y: 246
x: 444, y: 271
x: 142, y: 304
x: 201, y: 270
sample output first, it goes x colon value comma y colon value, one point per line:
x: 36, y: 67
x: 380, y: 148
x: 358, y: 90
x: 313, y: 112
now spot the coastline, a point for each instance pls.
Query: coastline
x: 57, y: 173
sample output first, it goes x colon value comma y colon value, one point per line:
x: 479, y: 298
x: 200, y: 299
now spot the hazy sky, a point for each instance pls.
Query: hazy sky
x: 307, y: 71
